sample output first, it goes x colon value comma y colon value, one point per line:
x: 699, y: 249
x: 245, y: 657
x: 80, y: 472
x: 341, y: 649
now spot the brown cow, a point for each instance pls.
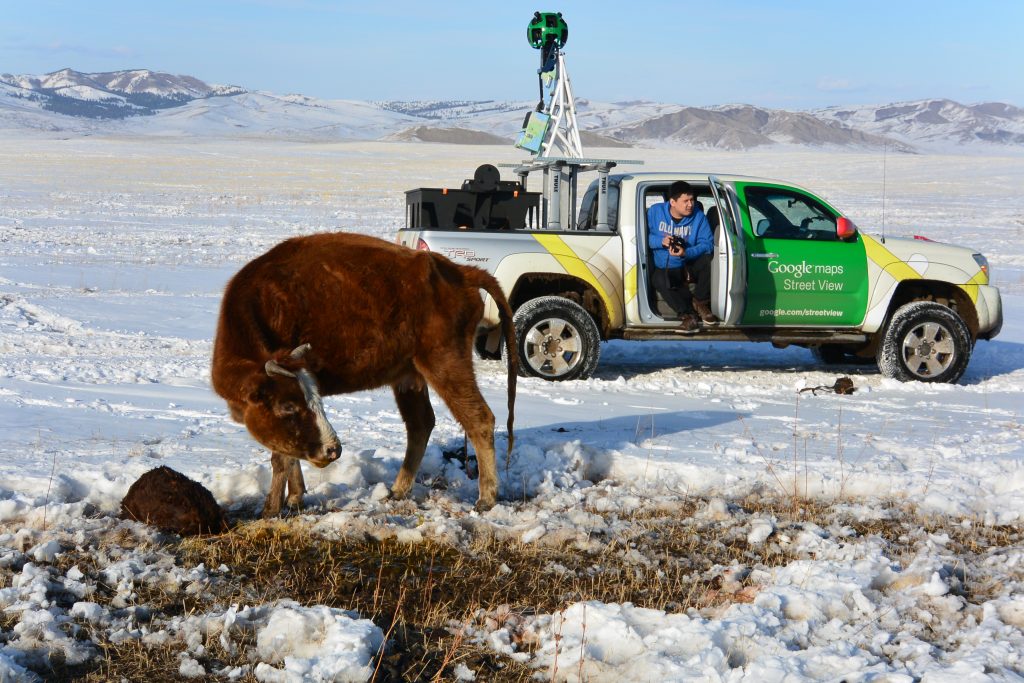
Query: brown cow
x: 336, y: 313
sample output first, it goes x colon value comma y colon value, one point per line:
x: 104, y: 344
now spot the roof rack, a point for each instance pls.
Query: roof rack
x: 560, y: 170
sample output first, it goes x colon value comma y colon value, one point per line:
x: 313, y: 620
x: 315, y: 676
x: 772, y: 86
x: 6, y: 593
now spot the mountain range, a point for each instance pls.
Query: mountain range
x: 144, y: 102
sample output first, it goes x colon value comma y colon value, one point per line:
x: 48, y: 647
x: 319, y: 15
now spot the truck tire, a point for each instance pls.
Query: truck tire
x: 926, y: 342
x: 557, y: 339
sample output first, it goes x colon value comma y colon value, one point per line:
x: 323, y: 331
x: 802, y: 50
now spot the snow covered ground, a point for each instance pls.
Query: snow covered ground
x: 115, y: 252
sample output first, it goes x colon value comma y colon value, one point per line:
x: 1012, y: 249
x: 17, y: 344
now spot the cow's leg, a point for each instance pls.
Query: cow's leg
x: 275, y: 498
x: 452, y: 378
x: 414, y: 405
x: 296, y: 484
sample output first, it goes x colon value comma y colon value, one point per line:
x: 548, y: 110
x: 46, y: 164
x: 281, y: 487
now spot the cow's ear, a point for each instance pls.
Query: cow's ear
x: 256, y: 390
x: 286, y: 408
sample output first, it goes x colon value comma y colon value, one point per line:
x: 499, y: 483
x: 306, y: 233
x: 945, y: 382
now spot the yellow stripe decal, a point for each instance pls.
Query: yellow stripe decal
x: 892, y: 264
x: 630, y: 284
x: 980, y: 278
x: 888, y: 261
x: 574, y: 265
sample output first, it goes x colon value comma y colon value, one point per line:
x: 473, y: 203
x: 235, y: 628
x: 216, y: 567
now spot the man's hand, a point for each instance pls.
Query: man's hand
x: 676, y: 246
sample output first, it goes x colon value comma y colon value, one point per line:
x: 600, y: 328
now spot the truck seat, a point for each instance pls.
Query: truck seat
x: 713, y: 219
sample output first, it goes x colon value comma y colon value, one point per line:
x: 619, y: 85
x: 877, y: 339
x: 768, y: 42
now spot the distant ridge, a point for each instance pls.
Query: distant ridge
x: 115, y: 94
x: 738, y: 127
x: 145, y: 102
x: 936, y: 120
x: 456, y: 136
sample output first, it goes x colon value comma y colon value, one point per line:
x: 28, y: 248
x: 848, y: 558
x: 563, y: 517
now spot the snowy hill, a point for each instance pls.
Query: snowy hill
x: 743, y: 127
x: 115, y: 94
x: 451, y: 110
x: 268, y: 115
x: 935, y: 121
x: 22, y: 108
x: 144, y: 102
x: 447, y: 136
x: 506, y: 118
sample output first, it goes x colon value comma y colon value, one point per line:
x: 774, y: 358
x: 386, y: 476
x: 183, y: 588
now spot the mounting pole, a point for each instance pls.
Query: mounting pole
x: 562, y: 109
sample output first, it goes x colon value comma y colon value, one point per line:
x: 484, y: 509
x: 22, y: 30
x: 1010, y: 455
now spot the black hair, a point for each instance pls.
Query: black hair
x: 681, y: 187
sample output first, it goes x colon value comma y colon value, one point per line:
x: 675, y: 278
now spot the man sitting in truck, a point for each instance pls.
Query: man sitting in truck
x: 681, y: 244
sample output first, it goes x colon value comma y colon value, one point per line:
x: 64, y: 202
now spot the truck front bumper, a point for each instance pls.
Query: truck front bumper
x: 990, y: 312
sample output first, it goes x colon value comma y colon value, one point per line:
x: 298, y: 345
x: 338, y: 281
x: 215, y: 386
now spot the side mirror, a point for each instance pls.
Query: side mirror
x: 762, y: 226
x: 845, y: 229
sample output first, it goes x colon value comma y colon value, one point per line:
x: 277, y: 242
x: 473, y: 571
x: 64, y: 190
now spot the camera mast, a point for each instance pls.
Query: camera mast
x: 551, y: 133
x: 551, y: 129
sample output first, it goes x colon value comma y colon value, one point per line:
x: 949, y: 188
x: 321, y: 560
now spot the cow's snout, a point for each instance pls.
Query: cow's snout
x: 333, y: 452
x: 328, y: 455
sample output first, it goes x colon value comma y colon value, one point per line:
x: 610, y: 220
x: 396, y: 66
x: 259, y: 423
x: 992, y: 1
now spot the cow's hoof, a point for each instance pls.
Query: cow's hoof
x: 483, y: 505
x: 268, y: 513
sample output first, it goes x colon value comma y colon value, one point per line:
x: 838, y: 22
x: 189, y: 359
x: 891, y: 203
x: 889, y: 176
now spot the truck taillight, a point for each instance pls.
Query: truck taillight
x: 421, y: 245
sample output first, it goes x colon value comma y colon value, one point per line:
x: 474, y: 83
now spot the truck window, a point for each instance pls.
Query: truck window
x: 588, y: 207
x: 786, y: 214
x: 659, y: 195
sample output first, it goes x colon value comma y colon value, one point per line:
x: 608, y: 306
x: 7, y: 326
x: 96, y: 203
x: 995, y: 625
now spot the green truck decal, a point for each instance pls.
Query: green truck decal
x: 794, y: 279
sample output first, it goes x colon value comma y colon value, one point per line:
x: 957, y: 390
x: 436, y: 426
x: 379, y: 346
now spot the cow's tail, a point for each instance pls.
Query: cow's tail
x: 485, y: 281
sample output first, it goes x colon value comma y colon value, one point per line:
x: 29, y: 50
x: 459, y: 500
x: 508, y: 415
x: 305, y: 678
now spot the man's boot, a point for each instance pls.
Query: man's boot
x: 703, y: 309
x: 688, y: 324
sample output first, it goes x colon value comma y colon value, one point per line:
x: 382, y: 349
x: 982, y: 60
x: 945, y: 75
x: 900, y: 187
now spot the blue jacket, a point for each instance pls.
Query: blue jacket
x: 694, y: 229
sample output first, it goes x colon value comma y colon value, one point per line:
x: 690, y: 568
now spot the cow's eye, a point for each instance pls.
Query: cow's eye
x: 286, y: 409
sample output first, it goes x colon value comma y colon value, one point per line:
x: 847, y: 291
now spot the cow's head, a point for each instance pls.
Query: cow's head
x: 285, y: 413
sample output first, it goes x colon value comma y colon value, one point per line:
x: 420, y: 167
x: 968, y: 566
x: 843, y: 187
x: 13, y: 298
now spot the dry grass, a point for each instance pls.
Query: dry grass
x: 421, y: 593
x: 969, y: 544
x: 428, y: 597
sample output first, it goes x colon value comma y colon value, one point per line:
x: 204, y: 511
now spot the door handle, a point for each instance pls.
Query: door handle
x: 768, y: 255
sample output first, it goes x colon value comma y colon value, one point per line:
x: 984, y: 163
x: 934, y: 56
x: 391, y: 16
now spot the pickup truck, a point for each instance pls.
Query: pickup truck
x: 788, y: 268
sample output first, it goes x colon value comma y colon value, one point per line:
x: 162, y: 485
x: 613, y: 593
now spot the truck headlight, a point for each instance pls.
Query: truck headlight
x: 983, y: 264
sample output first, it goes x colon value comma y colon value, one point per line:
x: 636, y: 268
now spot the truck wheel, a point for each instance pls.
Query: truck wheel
x: 925, y: 341
x: 557, y: 339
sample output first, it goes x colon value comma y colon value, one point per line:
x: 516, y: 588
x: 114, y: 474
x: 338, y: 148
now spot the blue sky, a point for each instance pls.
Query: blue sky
x: 792, y: 55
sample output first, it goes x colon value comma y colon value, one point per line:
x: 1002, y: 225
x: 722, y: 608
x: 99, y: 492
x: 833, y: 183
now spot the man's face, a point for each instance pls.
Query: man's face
x: 681, y: 206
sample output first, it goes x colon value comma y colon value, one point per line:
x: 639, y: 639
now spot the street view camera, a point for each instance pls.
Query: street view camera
x: 548, y: 33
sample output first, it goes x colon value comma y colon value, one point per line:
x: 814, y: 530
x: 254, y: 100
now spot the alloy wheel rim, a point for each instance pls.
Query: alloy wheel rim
x: 928, y: 350
x: 552, y: 347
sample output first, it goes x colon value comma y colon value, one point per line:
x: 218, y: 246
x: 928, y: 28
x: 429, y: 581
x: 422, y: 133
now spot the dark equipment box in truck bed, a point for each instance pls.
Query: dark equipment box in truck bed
x: 483, y: 203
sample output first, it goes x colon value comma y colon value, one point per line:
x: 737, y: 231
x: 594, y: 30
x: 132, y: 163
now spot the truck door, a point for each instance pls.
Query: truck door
x: 728, y: 269
x: 799, y: 273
